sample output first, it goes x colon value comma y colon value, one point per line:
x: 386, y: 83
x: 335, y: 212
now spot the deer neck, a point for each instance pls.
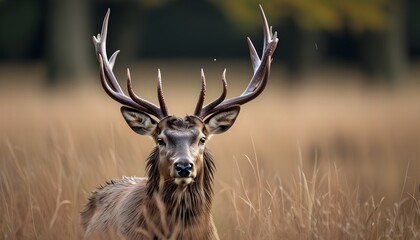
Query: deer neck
x: 183, y: 203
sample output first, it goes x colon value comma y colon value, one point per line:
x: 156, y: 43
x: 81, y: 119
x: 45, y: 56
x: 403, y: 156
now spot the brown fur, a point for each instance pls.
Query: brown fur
x: 174, y: 201
x: 138, y: 208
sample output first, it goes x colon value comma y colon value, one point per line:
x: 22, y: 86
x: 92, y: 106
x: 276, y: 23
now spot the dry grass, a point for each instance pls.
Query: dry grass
x: 312, y: 163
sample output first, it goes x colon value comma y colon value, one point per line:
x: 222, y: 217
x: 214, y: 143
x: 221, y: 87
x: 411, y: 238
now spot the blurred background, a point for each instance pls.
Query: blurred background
x: 378, y: 38
x: 330, y: 150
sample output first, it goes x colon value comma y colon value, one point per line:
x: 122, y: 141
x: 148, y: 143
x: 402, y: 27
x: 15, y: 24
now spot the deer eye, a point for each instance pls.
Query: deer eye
x: 160, y: 142
x: 202, y: 140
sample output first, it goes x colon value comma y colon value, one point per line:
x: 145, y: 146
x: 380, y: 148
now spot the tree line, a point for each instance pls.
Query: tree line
x: 379, y: 36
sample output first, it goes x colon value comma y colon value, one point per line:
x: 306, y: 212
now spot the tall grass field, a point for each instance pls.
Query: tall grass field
x: 311, y: 162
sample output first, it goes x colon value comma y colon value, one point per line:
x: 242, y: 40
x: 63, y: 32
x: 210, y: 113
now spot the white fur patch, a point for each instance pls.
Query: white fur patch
x: 183, y: 181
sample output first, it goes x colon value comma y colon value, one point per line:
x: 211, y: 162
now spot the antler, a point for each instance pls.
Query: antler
x: 110, y: 82
x: 261, y: 68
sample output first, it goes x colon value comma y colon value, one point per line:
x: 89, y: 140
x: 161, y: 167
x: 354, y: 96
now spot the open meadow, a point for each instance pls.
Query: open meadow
x: 317, y: 161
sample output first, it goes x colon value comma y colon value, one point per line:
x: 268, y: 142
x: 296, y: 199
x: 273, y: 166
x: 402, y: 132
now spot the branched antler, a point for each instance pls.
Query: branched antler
x: 110, y: 82
x: 261, y: 69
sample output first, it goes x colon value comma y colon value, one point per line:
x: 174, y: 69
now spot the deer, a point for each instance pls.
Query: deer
x: 174, y: 200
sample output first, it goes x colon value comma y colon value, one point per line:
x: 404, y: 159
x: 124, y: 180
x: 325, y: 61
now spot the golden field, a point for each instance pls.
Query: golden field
x: 320, y: 161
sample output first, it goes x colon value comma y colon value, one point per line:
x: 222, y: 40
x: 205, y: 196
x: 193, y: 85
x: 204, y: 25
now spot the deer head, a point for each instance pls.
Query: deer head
x: 180, y: 142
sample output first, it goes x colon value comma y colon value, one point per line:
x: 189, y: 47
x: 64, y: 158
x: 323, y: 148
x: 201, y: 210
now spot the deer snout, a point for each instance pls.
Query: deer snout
x: 183, y: 168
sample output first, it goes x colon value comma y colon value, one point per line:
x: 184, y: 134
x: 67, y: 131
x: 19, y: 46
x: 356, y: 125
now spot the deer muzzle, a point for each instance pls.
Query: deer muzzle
x: 183, y: 170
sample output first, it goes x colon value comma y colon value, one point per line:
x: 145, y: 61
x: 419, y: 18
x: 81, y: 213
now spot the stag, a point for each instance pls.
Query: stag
x: 174, y: 200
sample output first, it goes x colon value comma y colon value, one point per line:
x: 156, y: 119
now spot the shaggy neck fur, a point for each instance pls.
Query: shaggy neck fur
x: 184, y: 203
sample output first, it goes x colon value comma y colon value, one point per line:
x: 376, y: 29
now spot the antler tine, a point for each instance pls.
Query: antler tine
x: 150, y: 107
x: 205, y: 111
x: 267, y: 53
x: 100, y: 47
x: 266, y: 28
x: 111, y: 92
x: 255, y: 59
x: 261, y: 69
x: 110, y: 82
x: 161, y: 98
x: 202, y: 95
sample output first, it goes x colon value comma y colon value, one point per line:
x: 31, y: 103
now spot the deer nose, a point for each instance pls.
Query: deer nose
x: 183, y: 169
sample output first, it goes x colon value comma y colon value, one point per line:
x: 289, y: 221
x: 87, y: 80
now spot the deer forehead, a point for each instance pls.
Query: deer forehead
x: 177, y: 130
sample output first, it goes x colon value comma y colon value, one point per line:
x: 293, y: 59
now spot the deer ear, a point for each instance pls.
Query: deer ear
x: 221, y: 121
x: 140, y: 122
